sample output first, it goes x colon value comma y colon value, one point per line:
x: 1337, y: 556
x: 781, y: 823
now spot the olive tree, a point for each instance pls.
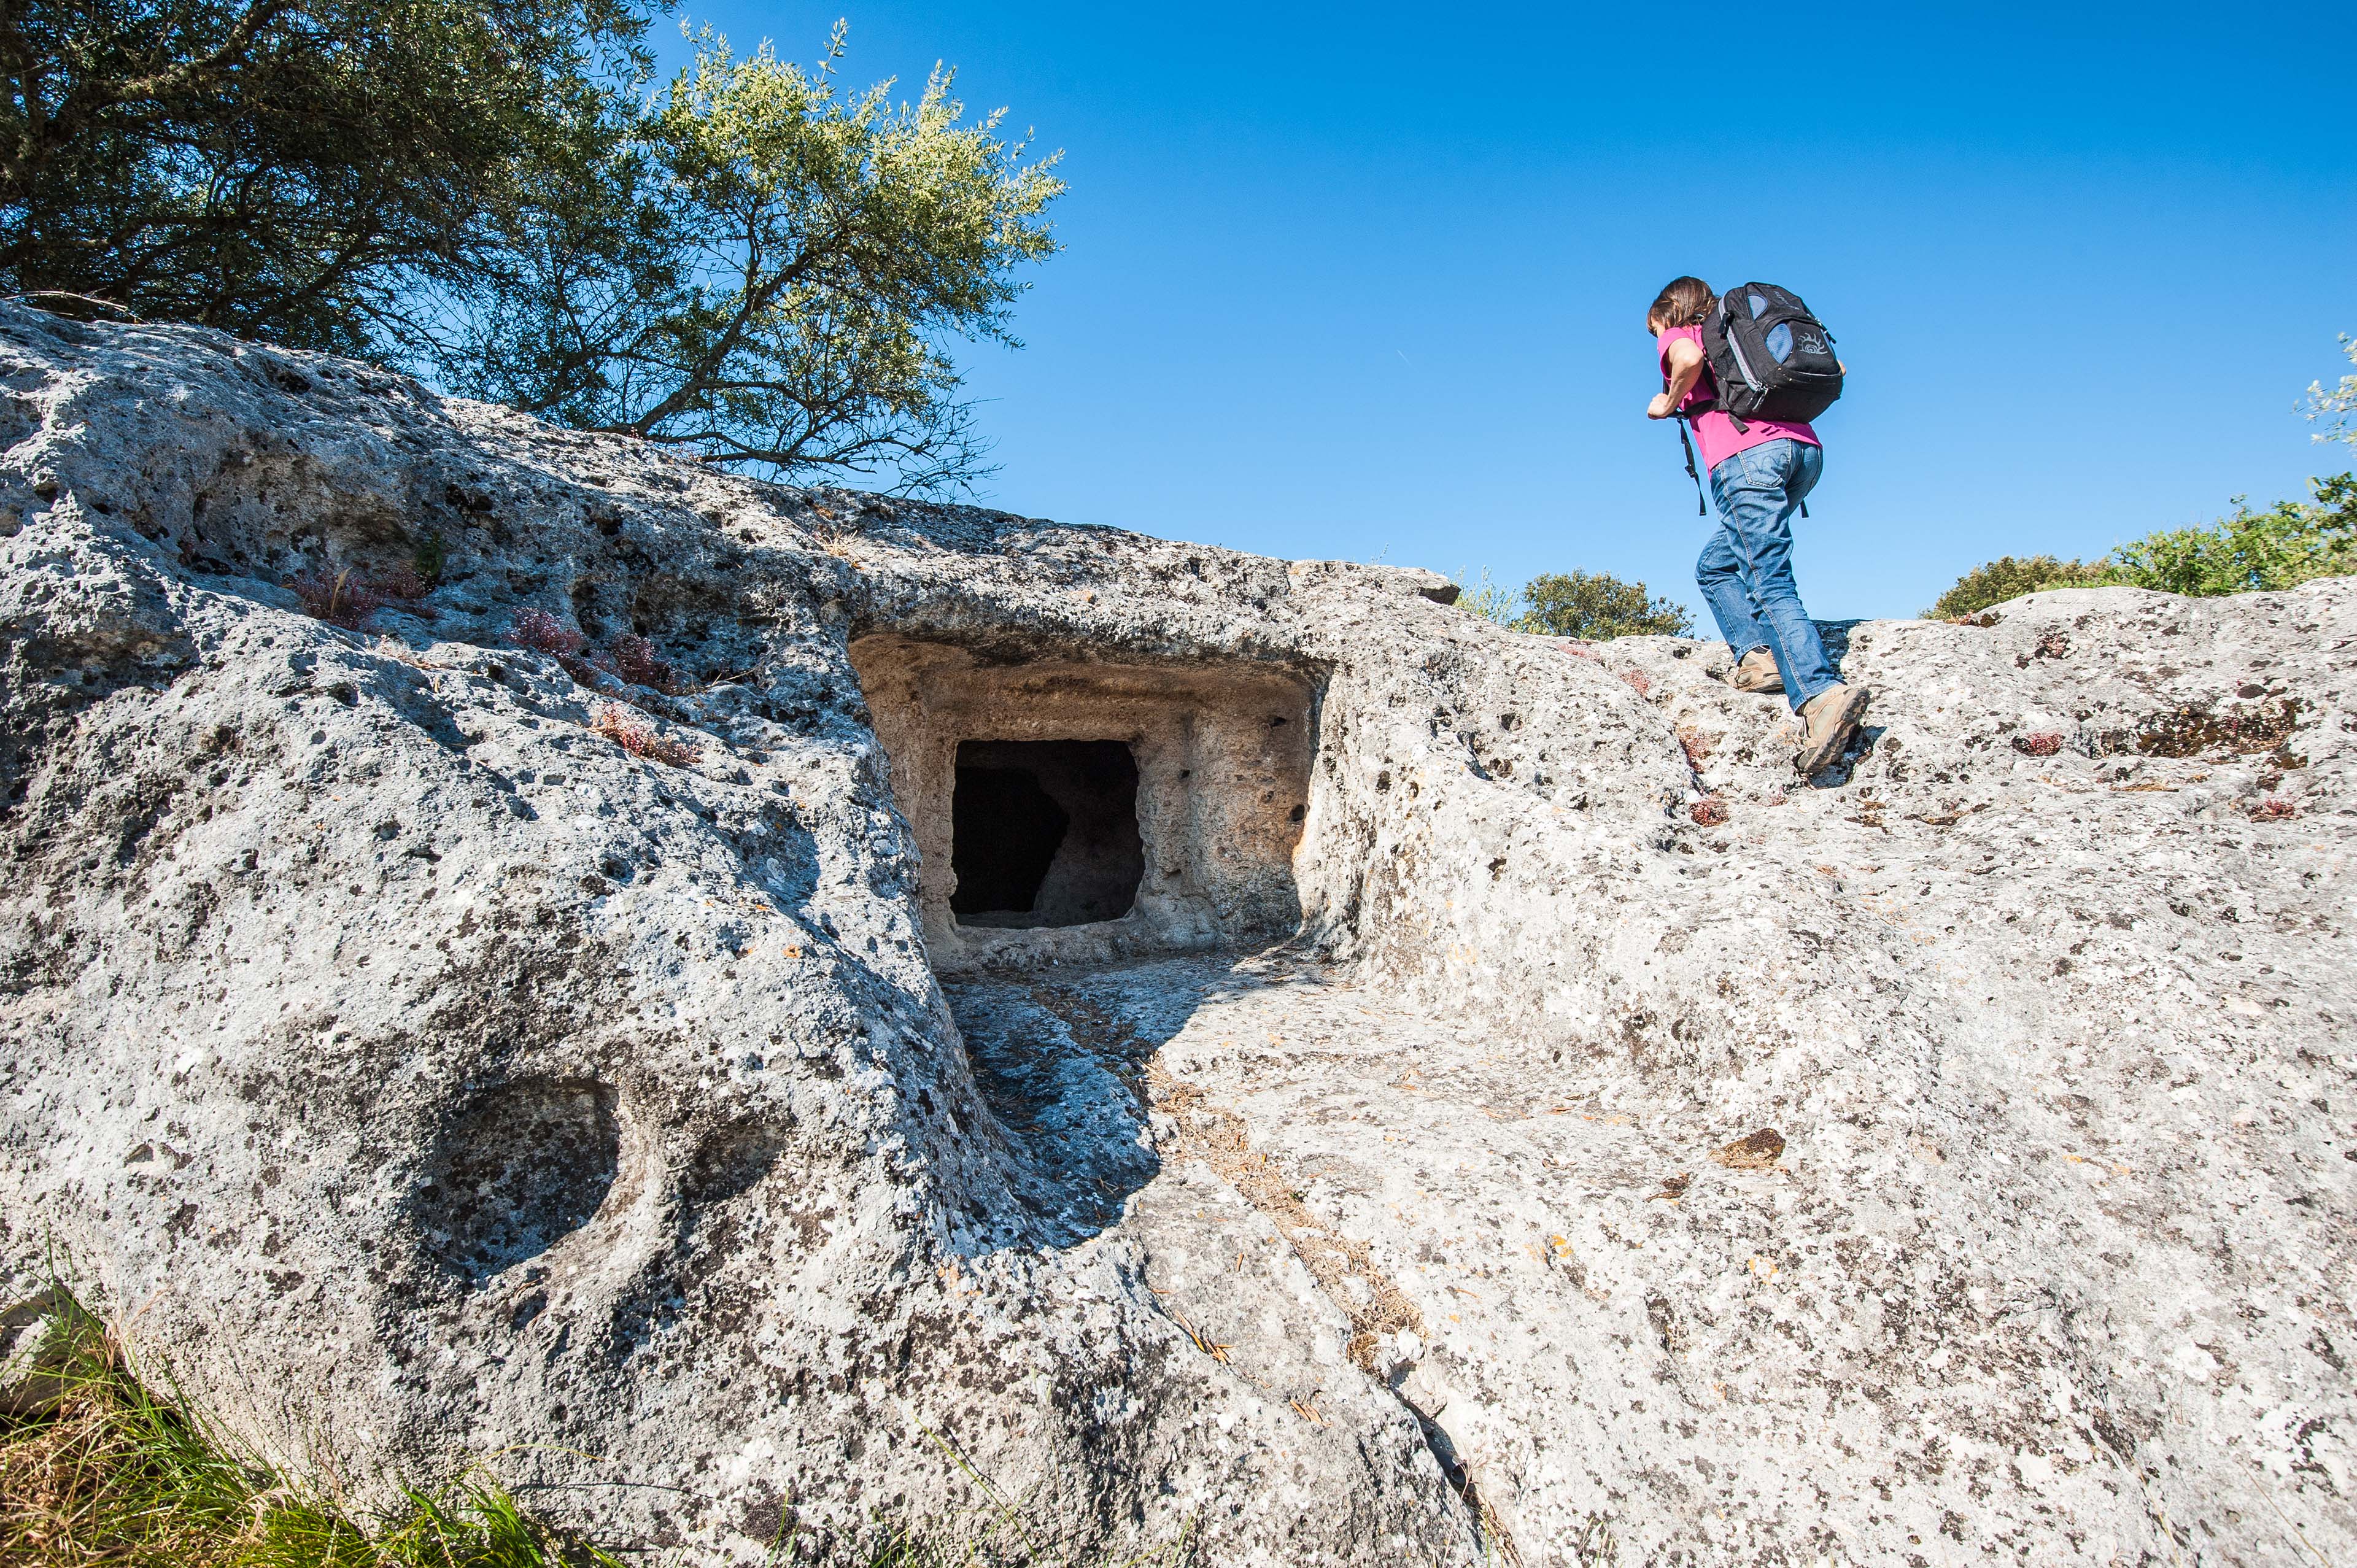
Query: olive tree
x: 749, y: 263
x: 2337, y: 406
x: 1592, y: 606
x: 286, y: 169
x: 1598, y: 605
x: 769, y: 271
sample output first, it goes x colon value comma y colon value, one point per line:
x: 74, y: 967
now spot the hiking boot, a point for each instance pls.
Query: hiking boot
x: 1755, y: 671
x: 1829, y: 719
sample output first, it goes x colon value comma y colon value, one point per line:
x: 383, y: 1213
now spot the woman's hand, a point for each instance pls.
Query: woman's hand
x: 1660, y: 407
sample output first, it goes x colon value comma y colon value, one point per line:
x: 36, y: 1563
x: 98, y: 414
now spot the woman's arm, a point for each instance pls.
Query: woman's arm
x: 1685, y: 364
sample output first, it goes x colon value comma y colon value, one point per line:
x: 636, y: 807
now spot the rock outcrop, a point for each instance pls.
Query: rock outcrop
x: 454, y: 1034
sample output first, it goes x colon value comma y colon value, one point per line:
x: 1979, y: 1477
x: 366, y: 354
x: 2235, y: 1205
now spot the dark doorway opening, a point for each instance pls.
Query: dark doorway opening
x: 1044, y: 832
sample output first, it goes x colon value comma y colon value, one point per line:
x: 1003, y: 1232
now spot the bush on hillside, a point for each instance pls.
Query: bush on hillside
x: 2248, y: 552
x: 2245, y: 551
x: 1592, y: 605
x: 2008, y: 578
x: 1597, y: 606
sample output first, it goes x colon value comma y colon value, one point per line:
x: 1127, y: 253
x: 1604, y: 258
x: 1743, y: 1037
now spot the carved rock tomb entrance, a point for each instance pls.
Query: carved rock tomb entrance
x: 1074, y: 810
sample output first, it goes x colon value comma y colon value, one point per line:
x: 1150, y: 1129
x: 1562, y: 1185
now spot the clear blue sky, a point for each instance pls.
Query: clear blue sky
x: 1368, y: 281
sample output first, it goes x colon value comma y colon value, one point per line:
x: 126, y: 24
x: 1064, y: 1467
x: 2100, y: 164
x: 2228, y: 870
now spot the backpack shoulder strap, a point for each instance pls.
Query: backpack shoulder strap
x: 1681, y: 416
x: 1702, y: 507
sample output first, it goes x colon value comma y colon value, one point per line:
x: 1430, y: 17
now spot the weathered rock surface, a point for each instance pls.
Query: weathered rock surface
x: 1947, y: 1159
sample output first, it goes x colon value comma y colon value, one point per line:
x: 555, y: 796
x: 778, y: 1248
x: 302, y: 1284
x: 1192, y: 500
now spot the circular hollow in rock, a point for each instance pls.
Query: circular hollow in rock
x: 520, y: 1166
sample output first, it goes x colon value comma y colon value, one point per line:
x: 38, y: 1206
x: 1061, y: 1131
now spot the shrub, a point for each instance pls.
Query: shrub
x: 2008, y: 578
x: 544, y: 633
x: 2289, y: 543
x: 634, y: 657
x: 401, y: 581
x: 1493, y: 601
x: 341, y: 600
x: 632, y: 732
x: 431, y: 558
x: 1594, y: 606
x: 1597, y: 606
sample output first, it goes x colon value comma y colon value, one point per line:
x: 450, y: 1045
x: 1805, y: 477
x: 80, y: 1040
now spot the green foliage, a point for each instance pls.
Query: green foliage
x: 2336, y: 406
x: 113, y: 1472
x: 2245, y: 551
x: 430, y: 559
x: 752, y: 265
x: 1592, y: 606
x: 128, y: 1472
x: 2249, y: 552
x: 2008, y: 578
x: 1596, y: 605
x: 1493, y: 601
x: 763, y: 269
x: 285, y: 169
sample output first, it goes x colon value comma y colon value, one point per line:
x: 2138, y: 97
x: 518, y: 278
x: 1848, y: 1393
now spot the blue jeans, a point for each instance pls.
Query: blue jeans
x: 1745, y: 570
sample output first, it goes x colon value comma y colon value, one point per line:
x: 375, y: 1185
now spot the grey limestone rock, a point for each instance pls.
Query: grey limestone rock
x: 735, y: 1149
x: 35, y: 1354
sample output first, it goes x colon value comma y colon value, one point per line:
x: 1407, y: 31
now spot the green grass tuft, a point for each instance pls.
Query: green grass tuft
x: 117, y: 1470
x: 111, y: 1472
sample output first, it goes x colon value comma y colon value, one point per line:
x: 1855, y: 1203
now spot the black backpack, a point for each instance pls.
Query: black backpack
x: 1772, y: 358
x: 1769, y: 357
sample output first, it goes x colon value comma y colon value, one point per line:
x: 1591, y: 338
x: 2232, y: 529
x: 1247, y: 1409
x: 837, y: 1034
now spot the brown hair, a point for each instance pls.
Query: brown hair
x: 1683, y: 302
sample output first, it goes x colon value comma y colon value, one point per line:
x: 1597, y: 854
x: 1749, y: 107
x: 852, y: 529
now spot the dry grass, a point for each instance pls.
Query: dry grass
x: 351, y: 599
x: 835, y: 537
x: 341, y: 600
x: 633, y: 734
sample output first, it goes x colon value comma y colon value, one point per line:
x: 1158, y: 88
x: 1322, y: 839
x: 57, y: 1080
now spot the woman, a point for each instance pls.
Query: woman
x: 1758, y: 475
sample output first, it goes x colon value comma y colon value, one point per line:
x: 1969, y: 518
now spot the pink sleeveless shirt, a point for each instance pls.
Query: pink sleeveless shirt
x: 1716, y: 437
